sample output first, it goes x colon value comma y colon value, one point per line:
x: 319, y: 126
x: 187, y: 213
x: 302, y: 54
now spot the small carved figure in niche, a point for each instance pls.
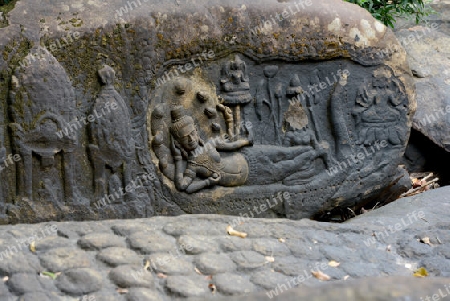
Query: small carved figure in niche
x: 206, y: 167
x: 111, y: 134
x: 298, y: 132
x: 378, y: 110
x: 235, y: 88
x: 42, y: 103
x: 378, y: 113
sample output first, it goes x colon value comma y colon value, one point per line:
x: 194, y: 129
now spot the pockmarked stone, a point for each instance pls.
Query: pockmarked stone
x: 312, y: 115
x: 171, y: 264
x: 302, y: 249
x: 341, y: 254
x: 212, y: 264
x: 270, y: 247
x: 132, y: 228
x: 52, y: 242
x: 19, y: 263
x: 291, y: 266
x: 233, y: 284
x: 153, y: 242
x: 194, y: 227
x: 4, y: 289
x: 197, y: 244
x: 79, y: 281
x: 22, y: 283
x: 143, y: 294
x: 437, y: 266
x: 360, y: 269
x: 248, y: 259
x: 188, y: 286
x: 103, y: 295
x: 269, y: 279
x: 98, y: 241
x: 38, y: 296
x: 115, y: 256
x: 132, y: 276
x: 61, y: 259
x: 233, y: 243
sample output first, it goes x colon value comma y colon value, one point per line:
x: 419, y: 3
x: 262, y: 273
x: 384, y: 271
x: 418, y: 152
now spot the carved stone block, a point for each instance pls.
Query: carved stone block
x: 200, y: 109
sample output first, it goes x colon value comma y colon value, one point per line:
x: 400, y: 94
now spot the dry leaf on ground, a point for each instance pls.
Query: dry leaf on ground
x: 213, y: 288
x: 333, y: 264
x: 233, y: 232
x: 421, y: 272
x: 269, y: 259
x: 320, y: 275
x: 122, y: 290
x: 146, y: 264
x: 33, y: 247
x: 426, y: 240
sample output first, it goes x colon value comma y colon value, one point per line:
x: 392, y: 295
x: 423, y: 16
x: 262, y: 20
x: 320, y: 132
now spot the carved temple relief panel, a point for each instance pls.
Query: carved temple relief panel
x: 238, y: 123
x: 42, y: 104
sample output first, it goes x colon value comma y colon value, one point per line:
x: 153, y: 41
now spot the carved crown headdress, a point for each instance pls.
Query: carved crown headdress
x: 181, y: 124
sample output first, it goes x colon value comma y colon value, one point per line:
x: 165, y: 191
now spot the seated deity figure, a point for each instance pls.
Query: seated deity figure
x: 207, y: 167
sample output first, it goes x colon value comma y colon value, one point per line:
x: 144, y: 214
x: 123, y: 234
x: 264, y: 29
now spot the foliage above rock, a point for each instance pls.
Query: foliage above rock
x: 386, y: 11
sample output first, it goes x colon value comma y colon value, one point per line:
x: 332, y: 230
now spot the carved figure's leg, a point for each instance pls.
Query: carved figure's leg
x: 69, y: 183
x: 27, y: 174
x: 127, y: 179
x: 278, y: 154
x: 228, y: 116
x: 99, y: 171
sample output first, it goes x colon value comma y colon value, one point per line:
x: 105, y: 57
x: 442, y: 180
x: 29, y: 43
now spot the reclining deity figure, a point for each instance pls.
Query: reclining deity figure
x: 207, y: 167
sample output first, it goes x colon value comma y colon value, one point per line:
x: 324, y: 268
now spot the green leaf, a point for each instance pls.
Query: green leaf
x: 50, y: 274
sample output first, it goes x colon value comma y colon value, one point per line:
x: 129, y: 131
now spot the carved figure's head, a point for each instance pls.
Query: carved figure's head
x: 183, y: 129
x: 237, y: 71
x: 381, y: 78
x: 107, y: 75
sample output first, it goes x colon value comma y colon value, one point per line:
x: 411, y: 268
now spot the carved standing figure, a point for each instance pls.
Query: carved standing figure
x: 111, y: 134
x: 235, y: 88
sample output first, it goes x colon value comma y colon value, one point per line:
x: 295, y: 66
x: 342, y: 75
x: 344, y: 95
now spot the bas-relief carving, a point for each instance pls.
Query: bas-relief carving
x: 236, y: 131
x: 45, y: 133
x: 42, y: 103
x: 285, y: 139
x: 112, y: 145
x: 379, y: 111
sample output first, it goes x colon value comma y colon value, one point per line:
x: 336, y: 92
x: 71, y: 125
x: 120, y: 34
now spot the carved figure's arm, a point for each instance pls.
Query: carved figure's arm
x: 198, y: 185
x: 227, y: 146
